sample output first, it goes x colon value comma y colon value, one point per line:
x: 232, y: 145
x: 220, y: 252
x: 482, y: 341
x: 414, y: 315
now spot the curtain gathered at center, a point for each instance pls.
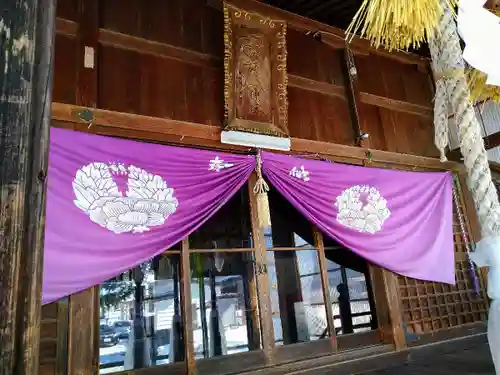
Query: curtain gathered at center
x: 113, y: 204
x: 402, y: 221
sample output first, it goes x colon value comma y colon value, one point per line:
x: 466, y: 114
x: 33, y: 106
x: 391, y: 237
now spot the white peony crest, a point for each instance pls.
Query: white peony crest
x: 148, y: 201
x: 365, y: 217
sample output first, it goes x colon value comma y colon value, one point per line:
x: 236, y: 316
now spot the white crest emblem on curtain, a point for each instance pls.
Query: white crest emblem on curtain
x: 148, y: 201
x: 362, y: 208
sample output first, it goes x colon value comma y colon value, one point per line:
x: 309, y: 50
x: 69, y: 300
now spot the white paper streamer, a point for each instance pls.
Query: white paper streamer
x: 479, y: 29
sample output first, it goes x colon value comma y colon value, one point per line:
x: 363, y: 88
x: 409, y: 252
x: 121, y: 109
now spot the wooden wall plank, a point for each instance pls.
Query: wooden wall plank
x: 187, y: 309
x: 67, y: 9
x: 82, y: 333
x: 137, y: 75
x: 65, y: 75
x: 83, y: 323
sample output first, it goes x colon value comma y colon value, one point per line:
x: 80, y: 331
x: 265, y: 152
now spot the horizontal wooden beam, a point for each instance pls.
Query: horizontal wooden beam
x: 141, y: 45
x: 367, y: 98
x: 324, y: 88
x: 156, y: 129
x: 396, y: 105
x: 334, y: 36
x: 490, y: 141
x: 495, y: 166
x: 66, y: 27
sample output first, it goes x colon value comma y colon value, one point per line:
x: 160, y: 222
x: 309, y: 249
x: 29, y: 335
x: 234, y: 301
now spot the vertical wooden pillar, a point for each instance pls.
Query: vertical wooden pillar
x: 388, y: 306
x: 265, y: 310
x: 27, y: 30
x: 318, y: 242
x: 83, y: 350
x: 186, y: 309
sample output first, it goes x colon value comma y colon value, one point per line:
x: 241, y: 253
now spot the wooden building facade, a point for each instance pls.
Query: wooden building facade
x: 154, y: 71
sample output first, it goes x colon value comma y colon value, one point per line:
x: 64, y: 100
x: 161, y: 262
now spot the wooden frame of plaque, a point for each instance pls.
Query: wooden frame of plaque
x: 255, y: 75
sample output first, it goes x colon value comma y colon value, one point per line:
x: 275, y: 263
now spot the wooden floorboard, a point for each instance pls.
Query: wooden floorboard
x: 475, y: 360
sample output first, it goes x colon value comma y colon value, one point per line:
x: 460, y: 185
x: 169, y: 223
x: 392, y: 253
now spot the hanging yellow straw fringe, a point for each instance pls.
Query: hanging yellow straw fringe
x: 397, y: 24
x: 479, y: 90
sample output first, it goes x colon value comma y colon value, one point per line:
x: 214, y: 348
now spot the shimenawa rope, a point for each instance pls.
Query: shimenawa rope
x: 449, y: 65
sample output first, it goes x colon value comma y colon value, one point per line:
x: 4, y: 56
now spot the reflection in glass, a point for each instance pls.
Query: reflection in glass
x: 297, y: 302
x: 228, y: 228
x: 222, y: 290
x: 287, y: 228
x: 349, y: 295
x: 141, y: 323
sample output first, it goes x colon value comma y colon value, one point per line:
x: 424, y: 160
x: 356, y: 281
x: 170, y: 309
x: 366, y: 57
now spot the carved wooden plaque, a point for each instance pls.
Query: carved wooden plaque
x: 255, y: 96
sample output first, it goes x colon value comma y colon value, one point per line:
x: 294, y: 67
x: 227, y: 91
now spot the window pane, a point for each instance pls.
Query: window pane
x: 141, y: 323
x: 222, y: 289
x: 297, y: 301
x: 288, y: 227
x: 229, y: 228
x: 349, y: 292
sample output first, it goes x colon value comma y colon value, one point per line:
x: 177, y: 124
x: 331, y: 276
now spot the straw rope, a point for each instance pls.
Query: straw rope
x: 450, y: 72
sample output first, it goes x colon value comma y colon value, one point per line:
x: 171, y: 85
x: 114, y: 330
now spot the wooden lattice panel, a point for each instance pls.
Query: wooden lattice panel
x: 430, y: 307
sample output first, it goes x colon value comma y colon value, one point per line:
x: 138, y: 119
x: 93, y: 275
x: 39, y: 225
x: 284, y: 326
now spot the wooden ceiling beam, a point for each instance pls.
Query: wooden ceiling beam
x: 337, y: 36
x: 154, y: 129
x: 490, y: 142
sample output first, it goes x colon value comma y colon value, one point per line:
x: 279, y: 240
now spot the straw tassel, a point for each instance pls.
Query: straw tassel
x: 397, y: 24
x: 260, y: 189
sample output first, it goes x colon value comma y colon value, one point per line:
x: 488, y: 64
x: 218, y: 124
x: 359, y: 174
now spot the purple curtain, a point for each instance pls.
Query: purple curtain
x: 399, y: 220
x: 113, y: 204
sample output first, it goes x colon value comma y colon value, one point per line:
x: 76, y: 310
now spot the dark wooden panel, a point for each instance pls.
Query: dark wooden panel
x: 49, y: 311
x: 381, y: 76
x: 213, y: 96
x: 369, y: 78
x: 48, y: 329
x: 48, y: 350
x: 47, y: 369
x: 370, y: 123
x: 125, y: 15
x: 313, y: 59
x: 67, y: 9
x: 408, y: 134
x: 155, y: 86
x: 315, y: 116
x: 333, y: 122
x: 120, y: 82
x: 48, y: 339
x: 65, y: 63
x: 178, y: 368
x: 213, y: 31
x: 231, y: 364
x: 190, y: 24
x: 192, y: 18
x: 306, y: 350
x: 358, y: 340
x: 53, y: 339
x: 83, y: 326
